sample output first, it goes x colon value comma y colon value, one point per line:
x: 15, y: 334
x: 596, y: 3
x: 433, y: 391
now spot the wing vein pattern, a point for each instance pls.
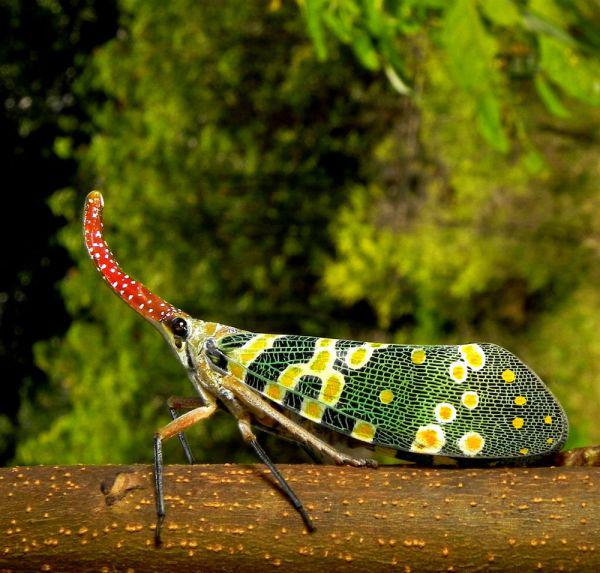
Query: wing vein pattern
x: 470, y: 400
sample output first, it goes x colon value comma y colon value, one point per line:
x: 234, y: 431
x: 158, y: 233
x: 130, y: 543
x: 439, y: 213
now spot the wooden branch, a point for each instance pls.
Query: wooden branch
x: 231, y: 518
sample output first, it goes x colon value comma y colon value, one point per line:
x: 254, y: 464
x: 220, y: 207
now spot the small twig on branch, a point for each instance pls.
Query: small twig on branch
x: 227, y: 518
x: 589, y: 456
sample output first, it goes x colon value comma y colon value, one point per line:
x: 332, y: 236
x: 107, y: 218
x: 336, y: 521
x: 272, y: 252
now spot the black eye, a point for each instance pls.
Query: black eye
x: 179, y: 327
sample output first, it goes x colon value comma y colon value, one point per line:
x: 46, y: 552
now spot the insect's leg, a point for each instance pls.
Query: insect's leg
x: 175, y: 403
x: 243, y: 417
x: 249, y: 437
x: 283, y: 436
x: 262, y: 409
x: 311, y: 454
x: 256, y: 404
x: 171, y: 429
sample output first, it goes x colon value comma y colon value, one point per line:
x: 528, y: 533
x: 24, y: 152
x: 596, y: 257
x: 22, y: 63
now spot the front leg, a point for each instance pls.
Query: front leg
x: 176, y: 403
x: 173, y: 428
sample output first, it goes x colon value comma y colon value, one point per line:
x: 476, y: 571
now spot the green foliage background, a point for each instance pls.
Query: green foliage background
x: 419, y: 171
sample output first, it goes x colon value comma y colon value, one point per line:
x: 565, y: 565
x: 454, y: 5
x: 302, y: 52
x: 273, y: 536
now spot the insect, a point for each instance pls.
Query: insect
x: 472, y: 401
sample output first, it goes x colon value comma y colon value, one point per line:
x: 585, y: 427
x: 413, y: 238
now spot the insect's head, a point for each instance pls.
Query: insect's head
x: 177, y: 327
x: 185, y: 335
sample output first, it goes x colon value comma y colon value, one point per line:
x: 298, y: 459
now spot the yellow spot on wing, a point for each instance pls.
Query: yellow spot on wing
x: 523, y: 451
x: 508, y: 376
x: 550, y: 441
x: 358, y: 356
x: 275, y: 392
x: 255, y: 346
x: 518, y: 423
x: 237, y: 370
x: 473, y: 355
x: 252, y: 350
x: 290, y: 376
x: 418, y: 356
x: 321, y: 361
x: 332, y: 387
x: 363, y: 431
x: 445, y: 413
x: 548, y: 420
x: 458, y: 371
x: 386, y: 396
x: 210, y: 328
x: 312, y: 410
x: 520, y: 400
x: 471, y: 443
x: 428, y: 439
x: 470, y: 400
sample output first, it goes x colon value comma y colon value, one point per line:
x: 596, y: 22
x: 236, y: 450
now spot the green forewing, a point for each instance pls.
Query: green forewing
x: 473, y: 400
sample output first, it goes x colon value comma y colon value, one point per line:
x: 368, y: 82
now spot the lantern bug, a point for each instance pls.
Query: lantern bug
x: 472, y: 401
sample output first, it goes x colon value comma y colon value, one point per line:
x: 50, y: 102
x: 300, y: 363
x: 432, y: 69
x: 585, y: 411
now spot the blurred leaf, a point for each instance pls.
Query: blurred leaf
x: 501, y: 12
x: 550, y: 99
x: 541, y: 26
x: 313, y: 10
x: 63, y: 147
x: 552, y: 18
x: 534, y: 162
x: 490, y: 122
x: 578, y: 76
x: 374, y: 17
x: 464, y: 33
x: 363, y: 47
x: 478, y: 57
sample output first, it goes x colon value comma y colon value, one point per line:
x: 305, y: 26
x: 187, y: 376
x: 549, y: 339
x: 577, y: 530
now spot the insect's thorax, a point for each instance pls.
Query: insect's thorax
x: 192, y: 353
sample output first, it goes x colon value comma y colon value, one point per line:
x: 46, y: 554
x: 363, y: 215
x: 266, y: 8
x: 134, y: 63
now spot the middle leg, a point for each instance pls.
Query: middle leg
x: 250, y: 438
x: 261, y: 409
x: 244, y: 423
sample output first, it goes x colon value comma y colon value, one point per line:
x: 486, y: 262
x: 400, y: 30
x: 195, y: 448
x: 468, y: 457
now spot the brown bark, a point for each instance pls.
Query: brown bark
x: 231, y: 518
